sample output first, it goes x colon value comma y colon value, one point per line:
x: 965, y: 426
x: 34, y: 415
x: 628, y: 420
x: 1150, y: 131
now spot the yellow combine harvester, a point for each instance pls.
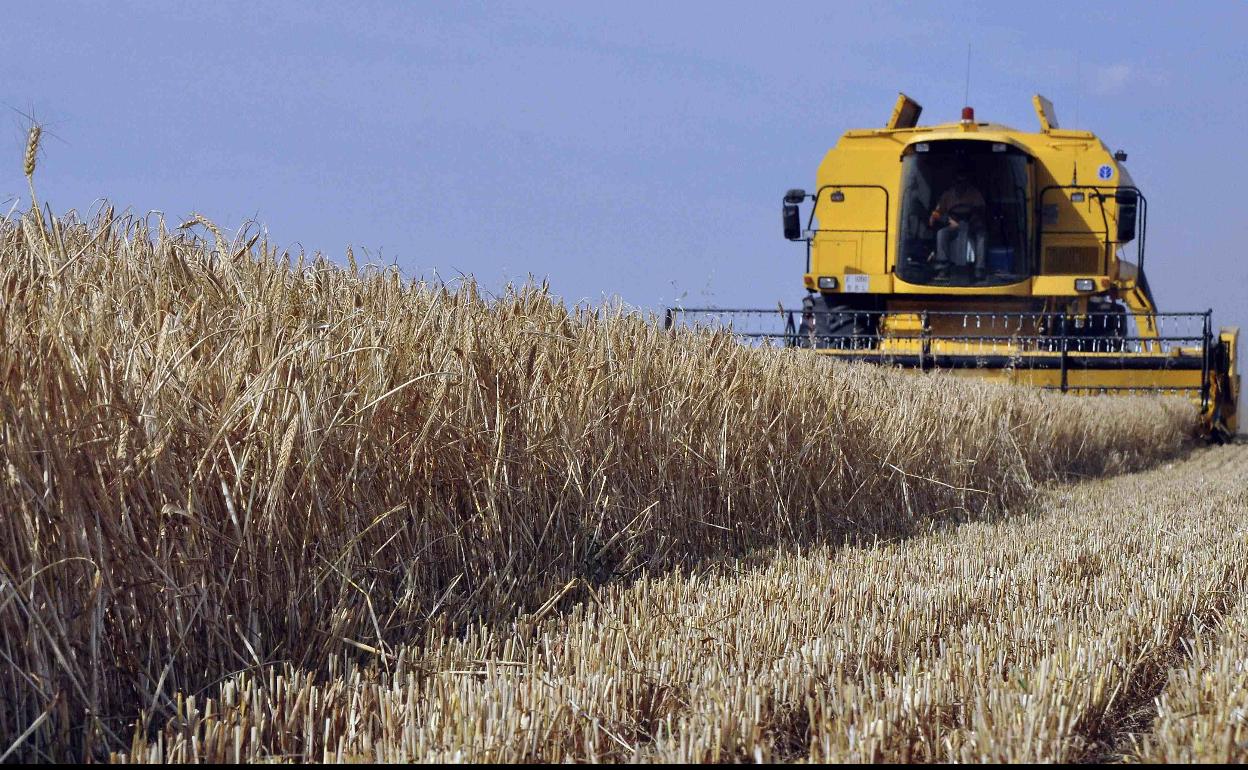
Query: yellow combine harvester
x: 991, y: 252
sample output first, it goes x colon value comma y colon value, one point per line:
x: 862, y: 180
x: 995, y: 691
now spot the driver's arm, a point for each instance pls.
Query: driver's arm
x: 940, y: 209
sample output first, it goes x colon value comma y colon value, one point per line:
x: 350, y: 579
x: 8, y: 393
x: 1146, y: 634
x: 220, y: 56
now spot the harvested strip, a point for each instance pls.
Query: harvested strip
x: 1202, y: 714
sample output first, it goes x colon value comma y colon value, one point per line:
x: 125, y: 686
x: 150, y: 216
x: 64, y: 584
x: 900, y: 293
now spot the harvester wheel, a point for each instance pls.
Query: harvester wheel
x: 1113, y: 328
x: 1100, y: 332
x: 827, y: 325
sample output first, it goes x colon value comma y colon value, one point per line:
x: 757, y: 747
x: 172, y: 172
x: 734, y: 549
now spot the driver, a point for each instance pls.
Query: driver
x: 962, y: 196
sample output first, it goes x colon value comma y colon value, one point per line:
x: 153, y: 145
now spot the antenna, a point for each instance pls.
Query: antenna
x: 1078, y: 85
x: 966, y: 96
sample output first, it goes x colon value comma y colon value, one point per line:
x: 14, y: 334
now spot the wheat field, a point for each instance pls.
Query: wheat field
x: 1106, y: 626
x: 259, y: 505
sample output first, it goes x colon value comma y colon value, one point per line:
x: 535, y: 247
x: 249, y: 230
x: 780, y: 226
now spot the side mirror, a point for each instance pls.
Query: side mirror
x: 1128, y: 205
x: 792, y: 222
x: 793, y: 214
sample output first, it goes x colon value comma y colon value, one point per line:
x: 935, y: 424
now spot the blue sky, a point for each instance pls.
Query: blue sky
x: 637, y: 150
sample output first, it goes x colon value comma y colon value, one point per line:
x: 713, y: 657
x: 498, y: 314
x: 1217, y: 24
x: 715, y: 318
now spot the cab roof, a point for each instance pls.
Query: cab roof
x: 903, y: 126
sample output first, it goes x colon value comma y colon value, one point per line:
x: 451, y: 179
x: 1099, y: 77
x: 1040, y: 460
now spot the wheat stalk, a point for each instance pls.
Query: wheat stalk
x: 28, y: 167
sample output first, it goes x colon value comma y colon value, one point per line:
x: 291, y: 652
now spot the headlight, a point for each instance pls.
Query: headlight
x: 1085, y: 284
x: 827, y: 282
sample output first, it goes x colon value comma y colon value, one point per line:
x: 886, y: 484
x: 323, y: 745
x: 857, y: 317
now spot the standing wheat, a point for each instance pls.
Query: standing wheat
x: 28, y: 166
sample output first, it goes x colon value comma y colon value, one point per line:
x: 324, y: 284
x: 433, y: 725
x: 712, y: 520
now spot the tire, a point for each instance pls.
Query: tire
x: 834, y: 326
x: 1103, y: 332
x: 1111, y: 329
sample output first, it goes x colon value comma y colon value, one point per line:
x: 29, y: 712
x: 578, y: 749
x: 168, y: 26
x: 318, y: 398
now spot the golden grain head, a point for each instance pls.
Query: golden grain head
x: 32, y: 149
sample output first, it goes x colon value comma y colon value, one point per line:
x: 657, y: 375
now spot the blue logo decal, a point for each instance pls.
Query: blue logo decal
x: 1105, y: 172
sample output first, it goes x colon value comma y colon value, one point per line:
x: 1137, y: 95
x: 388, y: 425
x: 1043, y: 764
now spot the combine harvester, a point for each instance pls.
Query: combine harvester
x: 989, y: 252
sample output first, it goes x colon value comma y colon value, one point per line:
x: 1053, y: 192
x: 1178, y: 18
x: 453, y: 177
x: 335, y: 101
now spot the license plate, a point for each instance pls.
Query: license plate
x: 857, y: 284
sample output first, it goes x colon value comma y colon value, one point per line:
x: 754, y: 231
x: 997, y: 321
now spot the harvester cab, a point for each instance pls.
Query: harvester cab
x: 990, y: 252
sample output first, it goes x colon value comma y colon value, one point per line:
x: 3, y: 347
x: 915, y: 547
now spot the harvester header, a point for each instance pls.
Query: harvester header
x: 993, y: 252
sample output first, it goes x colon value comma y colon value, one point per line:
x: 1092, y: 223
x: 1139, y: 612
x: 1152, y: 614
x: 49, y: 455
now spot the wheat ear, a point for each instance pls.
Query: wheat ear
x: 28, y: 166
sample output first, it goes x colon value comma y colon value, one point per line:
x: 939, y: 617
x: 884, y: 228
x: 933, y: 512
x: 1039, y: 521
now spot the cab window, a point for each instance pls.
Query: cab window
x: 964, y: 209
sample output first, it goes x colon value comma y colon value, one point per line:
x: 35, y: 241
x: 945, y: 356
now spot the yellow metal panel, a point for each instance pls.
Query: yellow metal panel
x: 901, y: 346
x: 901, y: 323
x: 1064, y: 285
x: 832, y: 255
x: 1080, y: 382
x: 1075, y: 219
x: 1044, y: 112
x: 905, y: 113
x: 863, y: 216
x: 1020, y: 289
